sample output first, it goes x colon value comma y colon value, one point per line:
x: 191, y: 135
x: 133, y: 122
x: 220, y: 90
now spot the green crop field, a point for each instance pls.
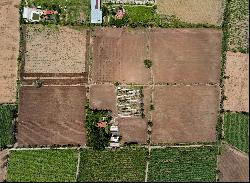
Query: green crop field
x: 236, y: 130
x: 238, y: 25
x: 7, y: 115
x: 183, y: 164
x: 42, y: 166
x: 113, y: 165
x: 72, y: 12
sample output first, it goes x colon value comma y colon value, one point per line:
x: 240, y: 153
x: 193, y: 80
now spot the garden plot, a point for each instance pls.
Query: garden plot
x: 237, y: 85
x: 133, y: 130
x: 9, y: 49
x: 193, y: 11
x: 103, y: 97
x: 116, y: 59
x: 185, y: 114
x: 3, y: 164
x: 183, y: 165
x: 185, y: 55
x: 119, y: 165
x: 51, y: 115
x: 55, y: 50
x: 42, y: 166
x: 233, y: 166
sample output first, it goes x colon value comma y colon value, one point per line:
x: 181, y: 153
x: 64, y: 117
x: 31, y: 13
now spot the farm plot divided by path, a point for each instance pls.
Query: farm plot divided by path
x: 237, y: 83
x: 233, y: 166
x: 9, y: 49
x: 51, y: 115
x: 193, y: 11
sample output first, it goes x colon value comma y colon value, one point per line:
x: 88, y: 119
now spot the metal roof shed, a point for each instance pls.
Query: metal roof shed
x: 96, y: 12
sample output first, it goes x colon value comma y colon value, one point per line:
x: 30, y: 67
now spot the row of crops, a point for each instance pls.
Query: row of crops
x: 7, y: 115
x: 126, y: 164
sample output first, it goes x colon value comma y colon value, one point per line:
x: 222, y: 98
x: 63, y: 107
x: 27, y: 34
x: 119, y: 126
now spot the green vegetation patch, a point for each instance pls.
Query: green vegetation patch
x: 183, y: 164
x: 238, y: 25
x: 7, y: 115
x: 70, y: 12
x: 125, y: 164
x: 42, y: 166
x: 236, y: 130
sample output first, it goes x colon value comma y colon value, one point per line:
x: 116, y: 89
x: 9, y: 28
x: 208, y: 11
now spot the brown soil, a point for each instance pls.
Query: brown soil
x: 52, y: 50
x: 193, y: 11
x: 3, y: 164
x: 185, y: 114
x: 51, y: 115
x: 186, y: 55
x: 237, y: 86
x: 233, y: 166
x: 9, y: 49
x: 103, y: 97
x: 119, y: 56
x: 147, y: 100
x: 133, y: 129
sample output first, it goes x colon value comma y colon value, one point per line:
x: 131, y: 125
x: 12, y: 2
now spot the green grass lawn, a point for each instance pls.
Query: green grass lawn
x: 113, y: 165
x: 42, y: 166
x: 236, y: 130
x: 183, y: 164
x: 7, y: 114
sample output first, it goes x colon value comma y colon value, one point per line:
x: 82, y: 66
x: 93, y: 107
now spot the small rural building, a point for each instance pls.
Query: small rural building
x: 96, y: 12
x: 32, y: 14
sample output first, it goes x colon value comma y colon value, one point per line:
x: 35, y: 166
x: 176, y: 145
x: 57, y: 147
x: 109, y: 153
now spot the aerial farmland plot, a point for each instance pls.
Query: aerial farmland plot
x: 114, y: 56
x: 9, y: 49
x: 51, y: 165
x: 51, y: 115
x: 237, y: 83
x: 192, y: 164
x: 193, y: 11
x: 119, y: 165
x: 185, y: 114
x: 233, y: 165
x: 185, y: 55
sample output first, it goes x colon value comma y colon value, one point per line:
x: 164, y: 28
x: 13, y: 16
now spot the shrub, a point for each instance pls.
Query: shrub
x: 148, y: 63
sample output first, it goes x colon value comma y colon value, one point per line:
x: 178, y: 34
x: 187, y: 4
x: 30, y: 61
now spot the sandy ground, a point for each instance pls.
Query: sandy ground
x: 185, y: 114
x: 51, y: 50
x: 237, y: 86
x: 3, y: 163
x: 119, y: 56
x: 185, y: 55
x: 9, y: 49
x: 133, y: 129
x: 147, y: 100
x: 193, y: 11
x: 233, y: 166
x: 103, y: 97
x: 51, y: 115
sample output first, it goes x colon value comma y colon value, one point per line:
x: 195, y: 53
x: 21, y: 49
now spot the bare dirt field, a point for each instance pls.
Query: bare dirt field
x: 55, y: 50
x: 103, y: 97
x: 133, y: 129
x: 9, y: 49
x: 185, y: 55
x: 193, y: 11
x: 237, y: 86
x: 233, y: 166
x: 119, y: 56
x: 51, y: 115
x: 147, y: 100
x: 3, y: 164
x: 185, y: 114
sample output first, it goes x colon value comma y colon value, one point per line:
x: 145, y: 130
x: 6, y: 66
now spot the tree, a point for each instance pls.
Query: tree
x: 148, y: 63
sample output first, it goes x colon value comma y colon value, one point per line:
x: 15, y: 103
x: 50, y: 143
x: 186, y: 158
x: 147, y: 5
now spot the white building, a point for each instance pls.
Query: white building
x: 96, y: 12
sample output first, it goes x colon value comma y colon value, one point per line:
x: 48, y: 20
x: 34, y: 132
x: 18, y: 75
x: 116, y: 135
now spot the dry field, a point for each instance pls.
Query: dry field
x: 133, y: 129
x: 51, y: 115
x: 147, y: 100
x: 185, y: 114
x: 9, y: 49
x: 55, y: 50
x: 233, y: 166
x: 185, y: 55
x: 103, y: 97
x: 119, y: 56
x: 193, y: 11
x: 237, y: 86
x: 3, y: 164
